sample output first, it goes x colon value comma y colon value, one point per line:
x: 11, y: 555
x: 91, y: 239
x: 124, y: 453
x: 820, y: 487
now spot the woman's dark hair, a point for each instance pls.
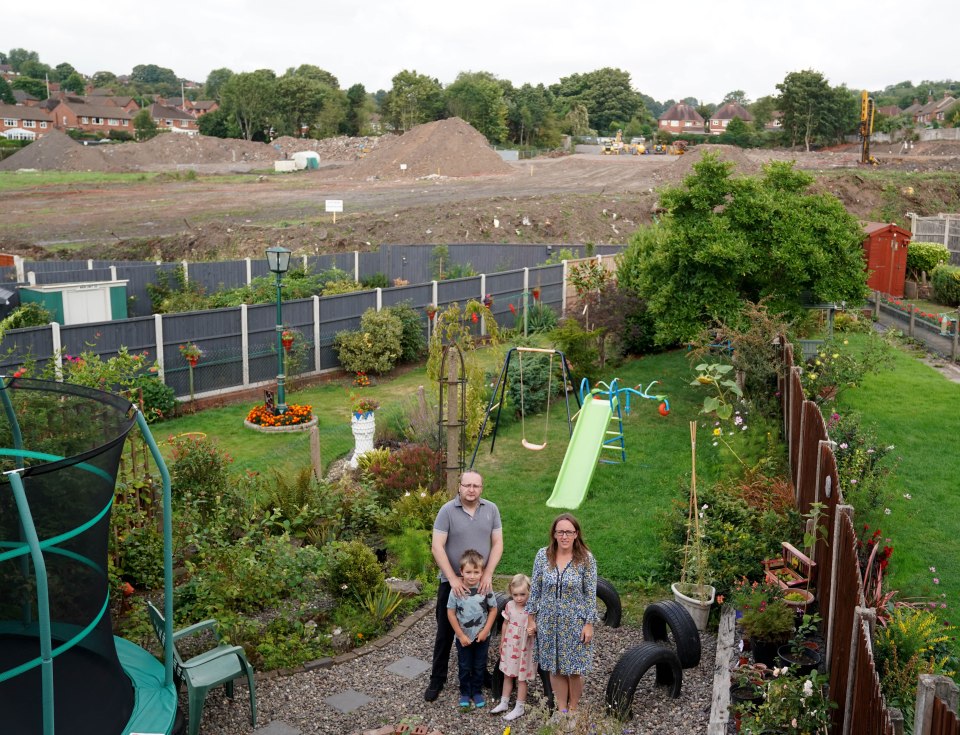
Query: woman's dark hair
x: 580, y: 548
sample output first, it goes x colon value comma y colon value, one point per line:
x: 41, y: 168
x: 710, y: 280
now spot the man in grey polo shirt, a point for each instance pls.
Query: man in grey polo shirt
x: 466, y: 522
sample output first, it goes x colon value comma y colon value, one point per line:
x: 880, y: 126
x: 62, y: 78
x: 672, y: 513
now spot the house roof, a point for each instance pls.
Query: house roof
x: 20, y: 96
x: 203, y: 104
x: 889, y: 110
x: 732, y: 110
x: 681, y: 111
x: 871, y: 227
x: 22, y: 112
x: 158, y: 111
x: 97, y: 108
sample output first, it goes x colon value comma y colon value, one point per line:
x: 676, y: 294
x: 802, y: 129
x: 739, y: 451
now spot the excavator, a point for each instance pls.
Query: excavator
x: 615, y: 147
x: 866, y: 128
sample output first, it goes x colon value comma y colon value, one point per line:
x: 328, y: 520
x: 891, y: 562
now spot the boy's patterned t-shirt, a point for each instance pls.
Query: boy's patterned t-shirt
x: 472, y: 611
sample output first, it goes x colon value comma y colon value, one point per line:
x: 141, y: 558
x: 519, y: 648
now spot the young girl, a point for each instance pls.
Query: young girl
x: 516, y: 649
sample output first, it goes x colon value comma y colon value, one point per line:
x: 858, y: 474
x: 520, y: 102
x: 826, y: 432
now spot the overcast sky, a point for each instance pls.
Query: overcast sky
x: 681, y: 49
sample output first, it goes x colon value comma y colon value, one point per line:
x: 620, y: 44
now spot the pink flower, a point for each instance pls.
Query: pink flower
x: 936, y: 580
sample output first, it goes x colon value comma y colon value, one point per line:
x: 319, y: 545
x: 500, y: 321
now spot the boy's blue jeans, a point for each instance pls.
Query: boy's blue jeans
x: 472, y: 663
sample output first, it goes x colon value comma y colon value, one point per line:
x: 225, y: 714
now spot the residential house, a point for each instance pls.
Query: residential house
x: 935, y: 111
x: 7, y: 72
x: 202, y: 107
x: 722, y: 117
x: 25, y: 98
x: 91, y: 115
x: 889, y: 110
x: 775, y: 124
x: 912, y: 110
x: 170, y: 118
x: 19, y: 122
x: 681, y: 118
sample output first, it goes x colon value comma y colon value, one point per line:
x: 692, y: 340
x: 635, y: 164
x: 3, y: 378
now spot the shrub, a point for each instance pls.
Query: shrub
x: 337, y: 287
x: 414, y: 510
x: 351, y: 568
x: 836, y: 367
x: 540, y: 318
x: 377, y: 280
x: 141, y: 557
x: 297, y: 502
x: 157, y: 400
x: 410, y: 467
x: 199, y: 469
x: 861, y: 468
x: 26, y: 315
x: 925, y: 257
x: 946, y: 284
x: 375, y: 347
x: 580, y: 349
x: 413, y: 339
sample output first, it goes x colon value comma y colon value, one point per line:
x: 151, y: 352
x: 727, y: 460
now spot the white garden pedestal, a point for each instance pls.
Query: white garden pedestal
x: 363, y: 427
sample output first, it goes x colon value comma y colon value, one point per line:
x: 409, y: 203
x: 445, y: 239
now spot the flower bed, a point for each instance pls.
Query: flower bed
x: 264, y: 416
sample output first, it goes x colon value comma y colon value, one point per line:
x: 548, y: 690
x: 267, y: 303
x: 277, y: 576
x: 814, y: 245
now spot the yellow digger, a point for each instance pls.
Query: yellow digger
x: 614, y: 147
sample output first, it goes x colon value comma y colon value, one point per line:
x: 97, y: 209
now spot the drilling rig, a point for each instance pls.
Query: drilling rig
x: 866, y: 128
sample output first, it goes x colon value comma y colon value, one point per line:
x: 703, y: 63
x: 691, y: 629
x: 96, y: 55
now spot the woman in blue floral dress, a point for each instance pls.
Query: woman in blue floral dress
x: 563, y: 608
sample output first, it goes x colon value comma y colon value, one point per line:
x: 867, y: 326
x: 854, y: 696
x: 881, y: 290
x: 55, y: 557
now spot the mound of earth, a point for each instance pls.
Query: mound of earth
x: 449, y: 147
x: 55, y: 151
x: 341, y: 148
x: 742, y: 165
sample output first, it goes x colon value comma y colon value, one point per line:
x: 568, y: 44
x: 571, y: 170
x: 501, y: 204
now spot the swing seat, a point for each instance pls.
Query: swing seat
x: 531, y: 445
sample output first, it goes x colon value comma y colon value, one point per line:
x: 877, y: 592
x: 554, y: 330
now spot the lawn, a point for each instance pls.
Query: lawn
x: 912, y: 407
x: 917, y: 410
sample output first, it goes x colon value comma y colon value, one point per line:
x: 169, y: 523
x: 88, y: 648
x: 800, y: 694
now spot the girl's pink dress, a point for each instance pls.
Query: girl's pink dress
x: 516, y: 651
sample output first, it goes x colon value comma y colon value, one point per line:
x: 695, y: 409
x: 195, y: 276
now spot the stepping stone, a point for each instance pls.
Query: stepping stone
x: 408, y: 667
x: 348, y: 701
x: 277, y: 728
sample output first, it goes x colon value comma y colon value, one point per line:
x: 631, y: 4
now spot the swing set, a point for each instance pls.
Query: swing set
x: 496, y: 403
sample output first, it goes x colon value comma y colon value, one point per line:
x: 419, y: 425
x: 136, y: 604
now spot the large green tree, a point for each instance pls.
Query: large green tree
x: 144, y: 126
x: 74, y: 83
x: 360, y: 108
x: 250, y: 98
x: 531, y: 117
x: 63, y: 71
x: 606, y: 93
x: 413, y: 99
x: 812, y: 112
x: 6, y: 94
x: 725, y: 240
x: 17, y: 56
x: 215, y: 81
x: 34, y: 87
x: 299, y: 100
x: 477, y: 97
x: 311, y: 71
x: 103, y: 78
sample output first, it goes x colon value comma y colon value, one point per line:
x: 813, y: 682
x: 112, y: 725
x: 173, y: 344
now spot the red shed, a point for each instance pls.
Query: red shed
x: 885, y: 253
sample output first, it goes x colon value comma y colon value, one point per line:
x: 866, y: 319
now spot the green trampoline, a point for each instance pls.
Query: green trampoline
x: 61, y: 668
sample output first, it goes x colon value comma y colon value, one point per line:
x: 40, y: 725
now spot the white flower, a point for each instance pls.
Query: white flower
x: 704, y: 506
x: 808, y: 688
x: 933, y: 570
x: 886, y: 511
x: 337, y: 631
x: 908, y: 496
x: 423, y: 495
x: 406, y: 494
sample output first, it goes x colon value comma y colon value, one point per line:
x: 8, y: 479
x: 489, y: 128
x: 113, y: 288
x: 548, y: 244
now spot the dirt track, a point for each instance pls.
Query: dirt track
x: 579, y: 198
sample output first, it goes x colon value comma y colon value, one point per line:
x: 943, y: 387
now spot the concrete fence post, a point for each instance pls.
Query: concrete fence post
x: 932, y: 686
x: 913, y: 318
x: 158, y: 339
x: 186, y: 271
x: 57, y: 345
x: 249, y: 270
x: 316, y: 333
x: 245, y: 343
x: 876, y: 305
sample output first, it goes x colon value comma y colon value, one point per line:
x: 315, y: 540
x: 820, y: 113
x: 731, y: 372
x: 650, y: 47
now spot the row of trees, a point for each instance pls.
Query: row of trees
x: 308, y: 100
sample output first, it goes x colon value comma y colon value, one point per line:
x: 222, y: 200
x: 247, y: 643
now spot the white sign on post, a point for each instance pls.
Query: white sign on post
x: 334, y: 205
x: 403, y: 167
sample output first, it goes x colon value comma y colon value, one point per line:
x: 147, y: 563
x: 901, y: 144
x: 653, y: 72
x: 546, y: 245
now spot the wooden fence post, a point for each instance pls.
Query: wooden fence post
x: 896, y: 719
x: 956, y: 332
x: 860, y: 614
x: 913, y: 319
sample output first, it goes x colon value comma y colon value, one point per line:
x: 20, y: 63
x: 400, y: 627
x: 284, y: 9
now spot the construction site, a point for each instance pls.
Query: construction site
x: 207, y: 198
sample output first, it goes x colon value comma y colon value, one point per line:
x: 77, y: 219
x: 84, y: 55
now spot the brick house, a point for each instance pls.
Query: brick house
x: 681, y: 118
x: 170, y: 118
x: 18, y: 122
x: 95, y: 116
x: 722, y: 117
x: 935, y: 111
x: 202, y: 107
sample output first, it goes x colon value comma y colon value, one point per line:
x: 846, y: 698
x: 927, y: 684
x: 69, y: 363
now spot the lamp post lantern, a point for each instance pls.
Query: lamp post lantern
x: 278, y: 260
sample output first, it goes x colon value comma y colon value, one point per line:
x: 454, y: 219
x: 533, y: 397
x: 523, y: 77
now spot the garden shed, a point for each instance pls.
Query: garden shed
x: 885, y: 253
x: 79, y: 303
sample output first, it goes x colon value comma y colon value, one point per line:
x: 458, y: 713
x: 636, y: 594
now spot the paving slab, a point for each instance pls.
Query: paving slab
x: 348, y: 701
x: 408, y: 667
x: 277, y: 728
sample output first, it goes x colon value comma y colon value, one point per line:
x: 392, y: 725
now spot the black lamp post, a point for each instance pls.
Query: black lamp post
x: 278, y: 260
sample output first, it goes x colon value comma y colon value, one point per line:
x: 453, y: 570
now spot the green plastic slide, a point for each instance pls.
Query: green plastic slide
x: 582, y: 454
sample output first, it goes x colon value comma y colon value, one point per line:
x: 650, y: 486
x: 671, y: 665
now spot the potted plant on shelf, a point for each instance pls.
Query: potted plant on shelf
x: 766, y: 619
x: 693, y: 591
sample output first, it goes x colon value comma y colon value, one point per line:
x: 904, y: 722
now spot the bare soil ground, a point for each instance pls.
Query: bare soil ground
x: 451, y: 188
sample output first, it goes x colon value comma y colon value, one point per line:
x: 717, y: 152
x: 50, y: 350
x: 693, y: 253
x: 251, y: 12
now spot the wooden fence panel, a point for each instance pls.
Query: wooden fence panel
x: 813, y: 431
x: 848, y: 596
x: 944, y: 721
x: 796, y: 412
x: 869, y: 715
x: 828, y: 494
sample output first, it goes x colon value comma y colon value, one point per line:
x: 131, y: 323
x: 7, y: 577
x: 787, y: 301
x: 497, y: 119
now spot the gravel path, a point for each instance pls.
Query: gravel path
x: 298, y: 700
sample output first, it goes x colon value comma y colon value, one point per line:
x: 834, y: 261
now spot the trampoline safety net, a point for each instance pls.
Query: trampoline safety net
x: 63, y: 442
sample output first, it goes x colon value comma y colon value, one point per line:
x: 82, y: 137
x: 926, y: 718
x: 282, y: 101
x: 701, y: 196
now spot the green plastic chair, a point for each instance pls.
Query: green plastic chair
x: 220, y: 665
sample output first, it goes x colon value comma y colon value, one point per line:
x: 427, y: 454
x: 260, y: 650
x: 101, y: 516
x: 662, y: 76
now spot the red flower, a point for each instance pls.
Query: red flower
x: 20, y: 373
x: 474, y: 317
x: 513, y: 308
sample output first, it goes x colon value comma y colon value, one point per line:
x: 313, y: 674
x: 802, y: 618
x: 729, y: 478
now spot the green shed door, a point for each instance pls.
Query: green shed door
x: 118, y: 302
x: 52, y: 301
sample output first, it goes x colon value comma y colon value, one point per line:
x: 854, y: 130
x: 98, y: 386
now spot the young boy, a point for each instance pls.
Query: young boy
x: 472, y: 618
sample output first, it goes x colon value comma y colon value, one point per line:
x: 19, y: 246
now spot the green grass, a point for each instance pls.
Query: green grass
x: 13, y: 180
x: 912, y: 407
x: 917, y: 410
